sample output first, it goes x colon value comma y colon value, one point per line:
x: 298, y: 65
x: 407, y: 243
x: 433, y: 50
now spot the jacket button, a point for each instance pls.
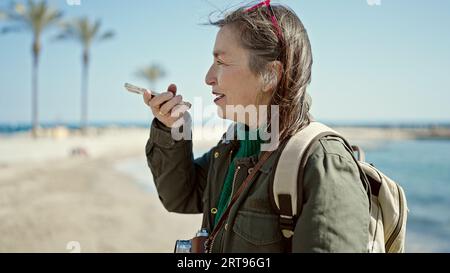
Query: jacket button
x: 250, y: 170
x: 226, y: 226
x: 216, y: 154
x: 214, y: 210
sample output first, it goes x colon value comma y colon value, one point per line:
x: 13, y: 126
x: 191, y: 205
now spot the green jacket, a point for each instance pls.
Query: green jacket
x: 335, y: 214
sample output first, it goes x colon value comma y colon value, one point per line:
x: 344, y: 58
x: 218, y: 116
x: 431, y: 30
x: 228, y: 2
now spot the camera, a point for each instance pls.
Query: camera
x: 195, y: 245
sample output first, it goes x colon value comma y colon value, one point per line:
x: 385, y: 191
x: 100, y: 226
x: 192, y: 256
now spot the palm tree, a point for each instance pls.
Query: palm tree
x: 152, y: 74
x: 86, y: 33
x: 35, y: 17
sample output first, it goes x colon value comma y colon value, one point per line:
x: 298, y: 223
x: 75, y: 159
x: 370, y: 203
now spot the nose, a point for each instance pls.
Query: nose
x: 210, y: 78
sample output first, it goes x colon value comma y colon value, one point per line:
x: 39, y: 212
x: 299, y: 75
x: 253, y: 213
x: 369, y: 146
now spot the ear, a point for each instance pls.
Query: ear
x: 272, y: 76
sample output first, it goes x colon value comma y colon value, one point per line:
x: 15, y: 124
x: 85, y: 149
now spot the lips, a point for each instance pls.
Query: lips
x: 218, y: 96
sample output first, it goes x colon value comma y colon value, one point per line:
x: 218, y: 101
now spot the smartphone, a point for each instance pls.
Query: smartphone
x: 140, y: 90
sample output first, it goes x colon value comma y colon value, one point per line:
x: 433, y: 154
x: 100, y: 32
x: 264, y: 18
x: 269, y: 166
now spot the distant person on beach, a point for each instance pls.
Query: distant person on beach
x: 262, y: 58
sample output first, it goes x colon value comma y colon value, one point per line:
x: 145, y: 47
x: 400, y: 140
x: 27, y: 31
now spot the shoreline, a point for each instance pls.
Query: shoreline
x: 208, y: 133
x: 369, y: 133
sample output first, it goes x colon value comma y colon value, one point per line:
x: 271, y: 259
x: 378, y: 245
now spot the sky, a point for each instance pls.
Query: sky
x: 374, y: 60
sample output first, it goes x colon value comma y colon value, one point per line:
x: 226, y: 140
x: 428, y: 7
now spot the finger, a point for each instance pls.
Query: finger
x: 172, y: 88
x: 147, y: 97
x: 167, y: 107
x: 160, y: 99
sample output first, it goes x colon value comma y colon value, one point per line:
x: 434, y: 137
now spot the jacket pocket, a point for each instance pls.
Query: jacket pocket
x: 258, y: 229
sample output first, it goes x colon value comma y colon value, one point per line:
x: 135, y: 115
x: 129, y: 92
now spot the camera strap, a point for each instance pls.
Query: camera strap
x: 245, y: 184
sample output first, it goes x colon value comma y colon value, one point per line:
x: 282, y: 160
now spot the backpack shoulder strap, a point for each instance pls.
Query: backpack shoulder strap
x: 287, y: 195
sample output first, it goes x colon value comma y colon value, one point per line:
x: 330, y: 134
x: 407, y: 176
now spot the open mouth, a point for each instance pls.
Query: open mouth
x: 219, y: 96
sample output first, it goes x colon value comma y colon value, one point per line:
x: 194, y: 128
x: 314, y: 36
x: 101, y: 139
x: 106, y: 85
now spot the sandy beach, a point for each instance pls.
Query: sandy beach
x: 63, y: 187
x: 49, y: 198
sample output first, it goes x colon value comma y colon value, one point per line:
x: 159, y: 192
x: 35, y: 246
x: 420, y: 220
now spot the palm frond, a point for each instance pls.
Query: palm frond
x: 36, y: 16
x: 3, y: 15
x: 8, y: 29
x: 95, y: 28
x: 84, y: 31
x: 107, y: 35
x: 151, y: 73
x: 43, y: 16
x: 52, y: 17
x: 61, y: 36
x: 14, y: 13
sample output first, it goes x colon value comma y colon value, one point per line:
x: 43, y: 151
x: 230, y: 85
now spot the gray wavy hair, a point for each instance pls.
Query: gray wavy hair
x: 258, y: 35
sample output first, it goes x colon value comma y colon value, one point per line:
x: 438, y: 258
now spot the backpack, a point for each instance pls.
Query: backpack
x: 388, y: 208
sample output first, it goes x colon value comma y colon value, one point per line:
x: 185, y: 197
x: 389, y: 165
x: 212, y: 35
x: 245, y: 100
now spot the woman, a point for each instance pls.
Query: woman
x: 262, y: 57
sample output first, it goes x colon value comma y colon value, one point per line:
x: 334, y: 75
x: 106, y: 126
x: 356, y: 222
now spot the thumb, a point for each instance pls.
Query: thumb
x: 172, y: 88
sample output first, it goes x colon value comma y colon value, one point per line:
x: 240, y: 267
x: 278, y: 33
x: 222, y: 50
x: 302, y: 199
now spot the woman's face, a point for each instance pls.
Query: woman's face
x: 232, y: 81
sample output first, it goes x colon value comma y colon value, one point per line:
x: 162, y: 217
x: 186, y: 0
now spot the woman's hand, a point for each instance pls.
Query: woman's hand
x: 166, y: 107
